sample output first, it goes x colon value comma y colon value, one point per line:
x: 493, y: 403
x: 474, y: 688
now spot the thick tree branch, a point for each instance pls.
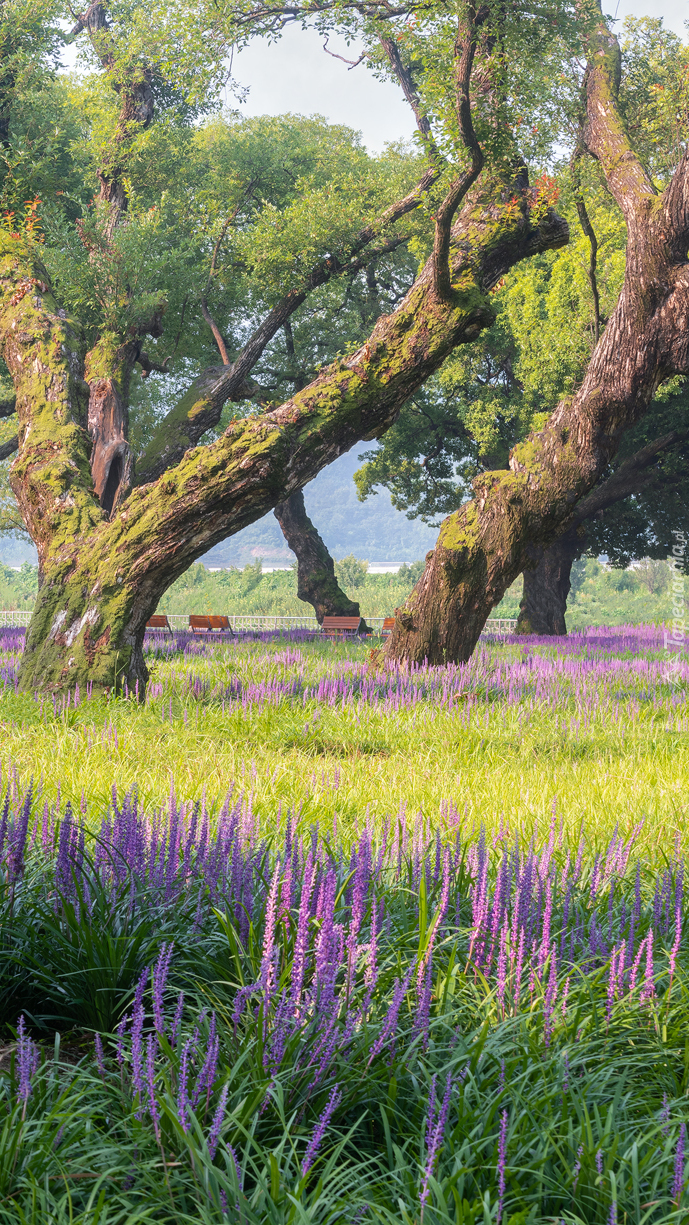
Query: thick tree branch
x: 604, y: 135
x: 9, y: 448
x: 465, y: 51
x: 629, y: 478
x: 200, y: 408
x: 8, y: 407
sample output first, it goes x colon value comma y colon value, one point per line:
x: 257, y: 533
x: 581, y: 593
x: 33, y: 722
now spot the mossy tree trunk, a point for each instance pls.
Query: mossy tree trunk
x: 102, y: 578
x: 489, y: 541
x: 316, y: 581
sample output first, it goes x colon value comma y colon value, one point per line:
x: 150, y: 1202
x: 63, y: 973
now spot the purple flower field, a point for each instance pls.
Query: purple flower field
x: 419, y: 1017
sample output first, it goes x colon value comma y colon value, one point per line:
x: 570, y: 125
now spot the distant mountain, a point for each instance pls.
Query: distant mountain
x: 372, y: 530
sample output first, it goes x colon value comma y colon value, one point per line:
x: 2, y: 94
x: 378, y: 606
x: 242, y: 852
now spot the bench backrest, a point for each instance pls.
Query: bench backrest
x: 341, y: 625
x: 205, y: 622
x: 199, y: 621
x: 388, y: 625
x: 158, y: 622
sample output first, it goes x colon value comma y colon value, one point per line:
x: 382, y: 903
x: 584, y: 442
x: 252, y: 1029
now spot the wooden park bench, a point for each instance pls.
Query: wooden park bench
x: 159, y: 622
x: 336, y: 626
x: 388, y: 626
x: 209, y: 623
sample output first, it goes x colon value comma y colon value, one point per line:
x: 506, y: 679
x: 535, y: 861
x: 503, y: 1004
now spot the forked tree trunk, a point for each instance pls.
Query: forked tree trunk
x: 484, y: 546
x: 102, y: 579
x: 316, y: 582
x: 546, y: 587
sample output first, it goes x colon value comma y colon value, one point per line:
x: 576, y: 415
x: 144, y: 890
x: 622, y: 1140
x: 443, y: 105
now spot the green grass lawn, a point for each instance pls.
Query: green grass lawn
x: 596, y: 744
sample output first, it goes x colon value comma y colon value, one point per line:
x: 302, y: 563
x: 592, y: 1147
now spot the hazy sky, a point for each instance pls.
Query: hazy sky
x: 297, y: 75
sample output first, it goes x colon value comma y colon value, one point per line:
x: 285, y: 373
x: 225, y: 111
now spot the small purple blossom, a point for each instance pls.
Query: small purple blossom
x: 678, y: 1173
x: 320, y: 1129
x: 216, y: 1125
x: 27, y: 1061
x: 100, y: 1057
x: 435, y: 1130
x: 502, y: 1155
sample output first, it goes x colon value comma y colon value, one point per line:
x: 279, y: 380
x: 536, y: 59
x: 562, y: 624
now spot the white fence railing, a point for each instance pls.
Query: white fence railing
x: 251, y: 621
x: 247, y: 621
x: 16, y: 616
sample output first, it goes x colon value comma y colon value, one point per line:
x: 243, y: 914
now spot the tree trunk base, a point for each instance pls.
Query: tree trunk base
x: 546, y: 587
x: 316, y: 582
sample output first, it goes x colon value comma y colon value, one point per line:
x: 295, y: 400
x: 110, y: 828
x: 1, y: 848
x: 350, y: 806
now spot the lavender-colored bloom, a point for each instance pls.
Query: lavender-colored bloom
x: 153, y: 1107
x: 599, y: 1160
x: 183, y: 1104
x: 216, y: 1125
x: 302, y: 937
x: 518, y: 972
x: 140, y: 990
x: 206, y: 1077
x: 267, y: 960
x: 678, y: 1176
x: 502, y: 1153
x: 434, y: 1135
x: 158, y: 981
x: 320, y: 1129
x: 138, y: 1057
x: 502, y: 968
x: 100, y: 1058
x: 27, y: 1061
x: 648, y: 989
x: 390, y: 1023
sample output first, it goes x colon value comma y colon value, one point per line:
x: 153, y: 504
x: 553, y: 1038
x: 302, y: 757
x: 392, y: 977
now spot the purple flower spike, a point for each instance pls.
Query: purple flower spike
x: 138, y: 1057
x: 183, y: 1103
x: 27, y: 1062
x: 153, y: 1107
x: 100, y: 1058
x: 502, y: 1154
x: 678, y: 1178
x: 158, y: 981
x: 216, y: 1125
x: 434, y: 1136
x: 320, y: 1129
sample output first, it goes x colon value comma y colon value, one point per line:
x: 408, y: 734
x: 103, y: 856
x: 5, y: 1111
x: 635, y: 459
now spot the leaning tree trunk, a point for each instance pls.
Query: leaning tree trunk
x: 487, y: 543
x: 546, y: 587
x: 102, y: 578
x: 316, y: 582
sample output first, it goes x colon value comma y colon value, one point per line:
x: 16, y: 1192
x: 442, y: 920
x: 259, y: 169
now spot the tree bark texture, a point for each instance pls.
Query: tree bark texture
x: 108, y: 370
x: 103, y: 579
x: 316, y: 582
x: 546, y: 587
x: 547, y: 583
x: 489, y: 541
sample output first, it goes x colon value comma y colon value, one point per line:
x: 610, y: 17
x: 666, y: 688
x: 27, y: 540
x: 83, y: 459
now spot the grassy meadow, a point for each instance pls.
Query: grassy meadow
x: 304, y: 938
